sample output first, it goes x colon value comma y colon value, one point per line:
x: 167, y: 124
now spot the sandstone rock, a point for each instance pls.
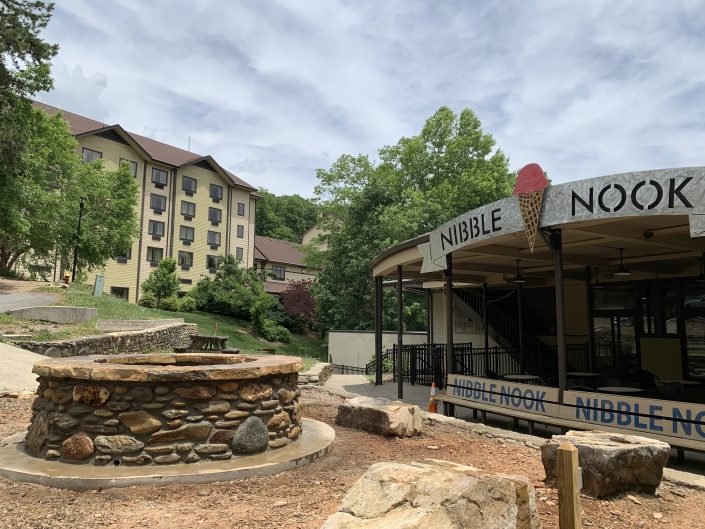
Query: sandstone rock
x: 236, y: 414
x: 142, y: 393
x: 61, y: 397
x: 436, y: 495
x: 167, y: 460
x: 160, y: 449
x: 99, y: 428
x: 247, y: 406
x: 121, y: 390
x: 294, y: 433
x: 175, y: 423
x: 178, y: 403
x: 253, y: 392
x: 215, y: 407
x: 161, y: 390
x: 211, y: 448
x: 35, y: 440
x: 198, y: 432
x: 78, y: 447
x: 153, y: 405
x: 228, y: 387
x: 111, y: 422
x: 296, y: 415
x: 102, y: 460
x: 142, y: 459
x: 222, y: 436
x: 269, y: 404
x: 175, y: 414
x: 611, y: 463
x: 63, y: 420
x: 192, y: 458
x: 78, y: 409
x: 196, y: 392
x: 380, y: 416
x: 220, y: 457
x: 278, y: 443
x: 250, y: 437
x: 91, y: 395
x: 140, y: 422
x: 279, y: 421
x: 103, y: 413
x: 182, y: 448
x: 226, y: 424
x: 117, y: 406
x: 286, y: 395
x: 53, y: 454
x: 117, y: 444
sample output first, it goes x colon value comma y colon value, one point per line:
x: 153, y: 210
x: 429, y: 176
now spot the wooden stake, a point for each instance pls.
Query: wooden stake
x: 569, y: 515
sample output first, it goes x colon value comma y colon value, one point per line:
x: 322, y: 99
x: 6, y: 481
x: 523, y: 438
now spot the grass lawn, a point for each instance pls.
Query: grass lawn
x: 240, y: 333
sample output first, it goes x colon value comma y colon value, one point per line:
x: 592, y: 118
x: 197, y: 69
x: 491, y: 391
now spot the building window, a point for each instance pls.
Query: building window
x: 185, y: 260
x: 212, y: 262
x: 154, y: 255
x: 159, y: 177
x: 124, y: 256
x: 279, y: 272
x: 130, y: 164
x: 216, y: 192
x: 238, y: 253
x: 215, y: 215
x: 213, y: 239
x: 89, y: 155
x: 120, y: 292
x: 157, y: 203
x: 241, y: 209
x: 188, y: 184
x: 156, y: 229
x: 240, y: 231
x: 186, y: 234
x: 188, y: 209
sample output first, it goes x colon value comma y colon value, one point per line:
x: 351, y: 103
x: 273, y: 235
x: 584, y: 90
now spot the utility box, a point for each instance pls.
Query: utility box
x: 98, y: 285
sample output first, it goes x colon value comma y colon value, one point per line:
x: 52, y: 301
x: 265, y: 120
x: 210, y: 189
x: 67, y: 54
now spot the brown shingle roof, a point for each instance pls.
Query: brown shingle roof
x: 157, y: 150
x: 278, y: 251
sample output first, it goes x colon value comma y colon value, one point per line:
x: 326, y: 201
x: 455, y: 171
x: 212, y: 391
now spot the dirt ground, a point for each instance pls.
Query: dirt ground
x: 305, y: 497
x: 12, y: 286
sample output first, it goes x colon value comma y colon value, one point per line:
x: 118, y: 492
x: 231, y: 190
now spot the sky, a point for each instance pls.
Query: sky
x: 274, y: 90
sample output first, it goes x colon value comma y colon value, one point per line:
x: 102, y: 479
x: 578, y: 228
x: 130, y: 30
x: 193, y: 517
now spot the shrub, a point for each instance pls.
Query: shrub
x: 148, y: 300
x: 273, y: 332
x: 187, y: 304
x: 299, y: 305
x: 171, y: 303
x: 162, y: 282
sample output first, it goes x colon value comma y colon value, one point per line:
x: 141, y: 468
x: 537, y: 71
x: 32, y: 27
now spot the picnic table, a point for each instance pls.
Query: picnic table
x: 207, y: 343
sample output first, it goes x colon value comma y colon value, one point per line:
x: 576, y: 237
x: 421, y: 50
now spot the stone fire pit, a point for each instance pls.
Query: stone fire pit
x: 144, y: 409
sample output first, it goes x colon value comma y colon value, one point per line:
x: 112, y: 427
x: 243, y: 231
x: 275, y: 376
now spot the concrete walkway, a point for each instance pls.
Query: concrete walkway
x: 24, y: 300
x: 16, y: 368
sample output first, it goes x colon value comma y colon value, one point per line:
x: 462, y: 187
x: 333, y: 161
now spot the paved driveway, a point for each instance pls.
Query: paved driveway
x: 24, y: 300
x: 16, y: 368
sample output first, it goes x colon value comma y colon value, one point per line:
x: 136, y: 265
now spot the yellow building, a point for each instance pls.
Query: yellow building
x: 189, y: 207
x: 283, y: 261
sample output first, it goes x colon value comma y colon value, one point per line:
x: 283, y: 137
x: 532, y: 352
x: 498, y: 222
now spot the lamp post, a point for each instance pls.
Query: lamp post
x: 78, y: 240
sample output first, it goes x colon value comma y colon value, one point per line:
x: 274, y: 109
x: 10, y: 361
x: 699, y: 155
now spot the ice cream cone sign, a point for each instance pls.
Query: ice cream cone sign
x: 529, y: 188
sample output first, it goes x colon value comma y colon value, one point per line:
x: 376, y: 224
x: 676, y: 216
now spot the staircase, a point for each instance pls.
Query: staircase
x: 541, y: 360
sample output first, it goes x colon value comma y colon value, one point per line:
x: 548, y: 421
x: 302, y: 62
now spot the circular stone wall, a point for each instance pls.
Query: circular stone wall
x: 163, y: 408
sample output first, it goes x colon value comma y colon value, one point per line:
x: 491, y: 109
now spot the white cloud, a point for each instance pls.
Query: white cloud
x: 274, y: 90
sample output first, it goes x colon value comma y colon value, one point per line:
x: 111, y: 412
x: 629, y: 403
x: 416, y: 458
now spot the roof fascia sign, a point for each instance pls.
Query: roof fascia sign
x: 659, y: 192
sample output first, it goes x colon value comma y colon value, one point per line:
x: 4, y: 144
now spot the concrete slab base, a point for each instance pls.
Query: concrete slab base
x: 16, y: 464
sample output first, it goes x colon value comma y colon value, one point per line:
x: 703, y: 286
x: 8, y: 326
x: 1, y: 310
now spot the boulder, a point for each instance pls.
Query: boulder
x: 250, y: 437
x: 380, y: 416
x: 78, y: 447
x: 436, y: 495
x: 140, y: 422
x: 611, y: 463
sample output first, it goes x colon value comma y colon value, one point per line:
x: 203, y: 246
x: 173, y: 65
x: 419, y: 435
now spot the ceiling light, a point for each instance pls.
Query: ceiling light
x: 621, y: 271
x: 518, y: 278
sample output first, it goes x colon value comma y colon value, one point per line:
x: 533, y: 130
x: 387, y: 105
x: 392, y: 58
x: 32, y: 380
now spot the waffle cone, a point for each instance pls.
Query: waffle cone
x: 530, y: 207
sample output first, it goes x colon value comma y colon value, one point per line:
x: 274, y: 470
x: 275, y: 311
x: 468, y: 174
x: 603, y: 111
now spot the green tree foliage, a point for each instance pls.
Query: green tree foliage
x: 162, y: 282
x: 284, y: 217
x: 40, y: 196
x: 450, y: 167
x: 239, y: 292
x: 24, y: 70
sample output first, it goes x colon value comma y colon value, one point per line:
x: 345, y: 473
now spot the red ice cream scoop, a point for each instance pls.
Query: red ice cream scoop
x: 530, y: 179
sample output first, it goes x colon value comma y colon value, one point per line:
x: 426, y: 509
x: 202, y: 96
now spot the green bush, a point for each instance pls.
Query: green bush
x: 187, y: 304
x: 171, y: 303
x: 148, y: 300
x: 162, y: 282
x: 273, y: 332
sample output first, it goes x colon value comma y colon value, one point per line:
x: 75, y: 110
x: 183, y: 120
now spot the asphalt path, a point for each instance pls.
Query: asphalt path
x: 24, y: 300
x: 16, y: 368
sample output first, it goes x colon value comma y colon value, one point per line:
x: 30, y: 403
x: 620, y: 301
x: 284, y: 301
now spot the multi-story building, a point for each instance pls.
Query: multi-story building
x: 283, y: 261
x: 189, y: 206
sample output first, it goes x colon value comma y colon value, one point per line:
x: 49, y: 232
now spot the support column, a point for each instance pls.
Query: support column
x: 554, y: 240
x: 450, y: 356
x: 400, y: 335
x: 590, y: 328
x: 378, y: 331
x: 429, y: 316
x: 520, y: 322
x: 486, y: 328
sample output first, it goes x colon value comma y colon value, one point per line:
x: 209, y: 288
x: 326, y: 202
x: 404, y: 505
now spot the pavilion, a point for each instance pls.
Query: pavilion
x: 600, y: 325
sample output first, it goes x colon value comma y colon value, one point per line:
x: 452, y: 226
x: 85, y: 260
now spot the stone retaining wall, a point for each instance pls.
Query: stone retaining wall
x: 142, y: 423
x: 56, y: 314
x: 154, y: 339
x: 133, y: 325
x: 317, y: 375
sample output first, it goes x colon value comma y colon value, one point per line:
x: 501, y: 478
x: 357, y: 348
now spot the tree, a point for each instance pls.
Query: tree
x: 299, y: 304
x: 284, y: 217
x: 450, y: 167
x: 162, y: 282
x: 41, y: 193
x: 24, y: 69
